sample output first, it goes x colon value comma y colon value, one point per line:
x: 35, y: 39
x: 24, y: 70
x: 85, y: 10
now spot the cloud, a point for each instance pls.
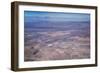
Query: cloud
x: 55, y: 16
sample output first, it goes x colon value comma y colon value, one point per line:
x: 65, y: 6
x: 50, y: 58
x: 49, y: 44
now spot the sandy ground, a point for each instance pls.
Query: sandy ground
x: 58, y: 45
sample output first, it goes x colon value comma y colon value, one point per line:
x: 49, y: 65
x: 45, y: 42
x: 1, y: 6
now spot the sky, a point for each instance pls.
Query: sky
x: 31, y: 16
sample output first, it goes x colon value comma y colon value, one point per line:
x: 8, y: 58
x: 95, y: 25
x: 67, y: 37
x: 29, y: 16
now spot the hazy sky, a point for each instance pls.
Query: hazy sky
x: 31, y: 16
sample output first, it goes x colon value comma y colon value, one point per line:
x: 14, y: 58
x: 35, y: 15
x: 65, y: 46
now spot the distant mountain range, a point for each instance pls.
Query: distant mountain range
x: 51, y: 26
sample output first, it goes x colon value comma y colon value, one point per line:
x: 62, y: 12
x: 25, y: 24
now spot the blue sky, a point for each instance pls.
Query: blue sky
x: 31, y: 16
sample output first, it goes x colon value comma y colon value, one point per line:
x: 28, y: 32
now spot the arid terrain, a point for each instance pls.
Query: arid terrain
x: 57, y: 45
x: 56, y: 36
